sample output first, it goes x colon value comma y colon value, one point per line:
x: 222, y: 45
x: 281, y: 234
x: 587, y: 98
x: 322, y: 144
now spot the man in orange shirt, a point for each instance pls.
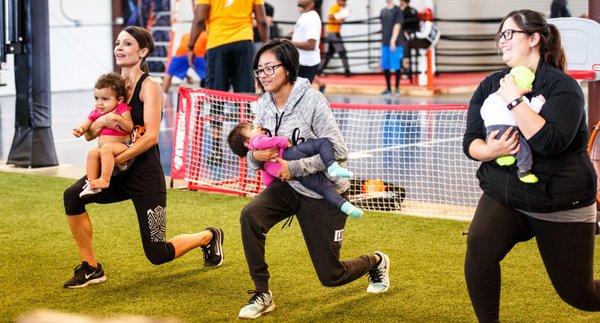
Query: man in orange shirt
x: 336, y: 15
x: 230, y: 49
x: 179, y: 65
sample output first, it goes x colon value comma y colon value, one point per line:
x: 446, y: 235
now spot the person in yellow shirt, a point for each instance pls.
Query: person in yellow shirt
x: 179, y: 65
x: 229, y: 52
x: 230, y: 49
x: 338, y: 12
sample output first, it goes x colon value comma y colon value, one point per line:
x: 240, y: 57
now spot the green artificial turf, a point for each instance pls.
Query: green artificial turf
x: 37, y: 254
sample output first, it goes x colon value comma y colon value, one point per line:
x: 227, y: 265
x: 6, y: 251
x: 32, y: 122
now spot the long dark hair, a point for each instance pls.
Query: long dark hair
x: 551, y: 49
x: 286, y: 53
x: 144, y: 39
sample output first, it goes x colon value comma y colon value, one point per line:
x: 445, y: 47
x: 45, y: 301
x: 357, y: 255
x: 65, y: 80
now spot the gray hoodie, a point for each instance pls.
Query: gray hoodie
x: 308, y: 111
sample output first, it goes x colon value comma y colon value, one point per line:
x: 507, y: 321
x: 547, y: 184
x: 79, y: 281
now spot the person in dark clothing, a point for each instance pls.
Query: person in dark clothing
x: 559, y: 210
x: 391, y: 44
x: 559, y: 9
x: 143, y: 182
x: 410, y: 25
x: 288, y: 106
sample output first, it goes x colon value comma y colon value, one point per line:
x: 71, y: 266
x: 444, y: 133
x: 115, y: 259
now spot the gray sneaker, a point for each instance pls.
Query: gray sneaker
x: 259, y: 304
x: 379, y: 278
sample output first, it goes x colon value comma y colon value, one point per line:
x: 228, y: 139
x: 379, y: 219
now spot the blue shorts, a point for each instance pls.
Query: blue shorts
x: 179, y: 66
x: 391, y: 60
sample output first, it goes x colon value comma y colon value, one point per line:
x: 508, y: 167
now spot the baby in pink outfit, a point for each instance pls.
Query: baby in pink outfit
x: 113, y: 138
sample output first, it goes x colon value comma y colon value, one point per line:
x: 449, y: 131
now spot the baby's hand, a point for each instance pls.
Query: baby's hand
x: 110, y: 117
x: 78, y: 132
x: 290, y: 144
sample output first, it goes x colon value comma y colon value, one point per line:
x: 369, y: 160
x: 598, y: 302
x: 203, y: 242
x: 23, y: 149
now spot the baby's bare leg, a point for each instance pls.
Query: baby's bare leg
x: 93, y: 164
x: 107, y: 158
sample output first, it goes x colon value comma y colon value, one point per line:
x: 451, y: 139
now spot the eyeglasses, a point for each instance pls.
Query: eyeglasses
x: 268, y: 70
x: 509, y: 33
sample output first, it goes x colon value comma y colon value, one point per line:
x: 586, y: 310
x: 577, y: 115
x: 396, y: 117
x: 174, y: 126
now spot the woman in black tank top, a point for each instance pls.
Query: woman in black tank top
x: 143, y: 182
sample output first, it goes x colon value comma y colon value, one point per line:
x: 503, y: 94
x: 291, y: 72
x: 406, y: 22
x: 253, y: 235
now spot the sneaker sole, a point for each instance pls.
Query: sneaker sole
x: 90, y: 282
x: 95, y: 191
x: 259, y: 314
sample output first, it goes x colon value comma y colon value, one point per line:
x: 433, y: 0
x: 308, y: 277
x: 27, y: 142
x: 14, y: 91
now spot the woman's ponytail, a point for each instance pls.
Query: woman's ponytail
x: 551, y: 49
x: 144, y: 66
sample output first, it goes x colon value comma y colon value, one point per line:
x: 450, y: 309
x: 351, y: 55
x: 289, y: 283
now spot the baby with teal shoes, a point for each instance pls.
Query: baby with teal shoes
x: 496, y: 116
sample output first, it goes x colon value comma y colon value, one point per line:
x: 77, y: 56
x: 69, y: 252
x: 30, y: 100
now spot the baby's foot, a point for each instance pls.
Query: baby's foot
x: 528, y: 177
x: 352, y: 210
x: 336, y: 170
x: 506, y: 160
x: 100, y: 183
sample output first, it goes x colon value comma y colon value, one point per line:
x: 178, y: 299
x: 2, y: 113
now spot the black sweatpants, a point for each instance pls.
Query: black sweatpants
x: 567, y: 250
x: 231, y: 65
x: 151, y: 212
x: 322, y: 226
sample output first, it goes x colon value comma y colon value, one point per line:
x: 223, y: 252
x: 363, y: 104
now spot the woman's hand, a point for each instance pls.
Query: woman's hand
x: 266, y: 154
x: 119, y: 160
x: 509, y: 90
x: 507, y: 144
x: 284, y: 172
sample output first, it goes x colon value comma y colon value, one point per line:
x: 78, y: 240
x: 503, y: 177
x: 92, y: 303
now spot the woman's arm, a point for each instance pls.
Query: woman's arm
x: 152, y: 97
x: 475, y: 144
x: 529, y: 122
x: 492, y: 148
x: 323, y: 125
x: 554, y: 128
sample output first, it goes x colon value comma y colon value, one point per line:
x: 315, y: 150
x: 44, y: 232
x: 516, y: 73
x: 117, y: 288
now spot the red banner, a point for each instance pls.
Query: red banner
x: 180, y: 135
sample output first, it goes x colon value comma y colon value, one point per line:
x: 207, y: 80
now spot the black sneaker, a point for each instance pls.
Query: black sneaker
x: 213, y: 251
x: 85, y: 275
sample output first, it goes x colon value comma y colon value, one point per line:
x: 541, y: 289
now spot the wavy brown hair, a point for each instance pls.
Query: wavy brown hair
x: 113, y: 81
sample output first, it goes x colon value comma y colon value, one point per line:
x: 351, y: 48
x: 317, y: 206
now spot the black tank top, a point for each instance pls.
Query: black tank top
x: 146, y: 174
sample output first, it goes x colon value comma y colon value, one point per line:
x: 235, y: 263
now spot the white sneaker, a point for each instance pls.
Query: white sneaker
x: 88, y: 190
x: 379, y: 278
x: 258, y: 304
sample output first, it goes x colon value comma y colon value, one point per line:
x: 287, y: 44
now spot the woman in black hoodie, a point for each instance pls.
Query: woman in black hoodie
x: 559, y: 210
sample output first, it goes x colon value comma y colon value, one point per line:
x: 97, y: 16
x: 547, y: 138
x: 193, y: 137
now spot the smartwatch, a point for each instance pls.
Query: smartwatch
x: 512, y: 104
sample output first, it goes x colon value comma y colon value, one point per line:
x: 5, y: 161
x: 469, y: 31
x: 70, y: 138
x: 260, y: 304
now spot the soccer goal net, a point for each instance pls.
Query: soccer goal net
x: 406, y: 158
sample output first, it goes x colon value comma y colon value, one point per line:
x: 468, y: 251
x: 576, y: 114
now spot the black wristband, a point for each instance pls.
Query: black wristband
x: 512, y: 104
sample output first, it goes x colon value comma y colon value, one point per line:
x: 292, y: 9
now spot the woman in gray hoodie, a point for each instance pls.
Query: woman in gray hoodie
x: 290, y: 107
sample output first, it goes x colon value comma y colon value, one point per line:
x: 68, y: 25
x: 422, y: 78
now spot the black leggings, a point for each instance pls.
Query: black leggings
x: 567, y: 250
x: 151, y: 213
